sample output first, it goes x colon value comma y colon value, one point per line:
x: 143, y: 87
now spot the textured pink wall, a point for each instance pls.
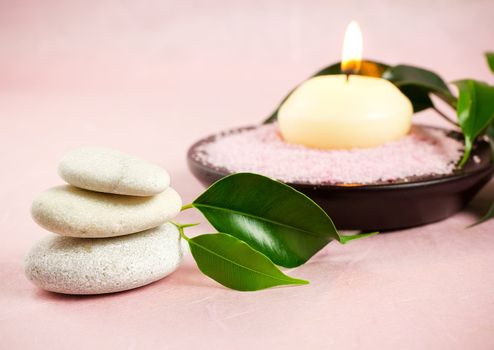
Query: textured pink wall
x: 135, y: 43
x: 150, y: 77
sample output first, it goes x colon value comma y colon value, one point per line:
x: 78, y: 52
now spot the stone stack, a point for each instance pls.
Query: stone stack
x: 111, y: 222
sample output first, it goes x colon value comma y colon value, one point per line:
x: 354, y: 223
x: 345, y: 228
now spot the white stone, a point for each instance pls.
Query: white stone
x: 104, y: 265
x: 110, y: 171
x: 71, y: 211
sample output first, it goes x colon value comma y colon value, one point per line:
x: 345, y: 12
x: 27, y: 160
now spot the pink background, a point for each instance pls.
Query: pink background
x: 151, y: 77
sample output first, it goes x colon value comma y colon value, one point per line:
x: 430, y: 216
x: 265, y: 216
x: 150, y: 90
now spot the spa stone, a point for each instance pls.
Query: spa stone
x: 105, y: 265
x: 70, y: 211
x: 110, y: 171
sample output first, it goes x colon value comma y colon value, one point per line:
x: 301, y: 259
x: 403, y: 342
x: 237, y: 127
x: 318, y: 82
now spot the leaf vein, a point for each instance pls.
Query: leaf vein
x: 260, y: 218
x: 288, y: 279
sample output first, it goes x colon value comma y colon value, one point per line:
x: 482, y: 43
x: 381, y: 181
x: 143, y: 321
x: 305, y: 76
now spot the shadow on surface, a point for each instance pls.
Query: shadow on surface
x: 186, y: 276
x: 189, y: 275
x: 481, y: 203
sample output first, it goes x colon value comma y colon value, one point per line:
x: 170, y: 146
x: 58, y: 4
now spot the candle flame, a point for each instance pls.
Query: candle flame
x: 352, y: 49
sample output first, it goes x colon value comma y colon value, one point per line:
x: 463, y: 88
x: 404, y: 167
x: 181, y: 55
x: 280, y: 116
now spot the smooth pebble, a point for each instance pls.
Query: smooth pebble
x: 70, y: 211
x: 110, y: 171
x: 105, y: 265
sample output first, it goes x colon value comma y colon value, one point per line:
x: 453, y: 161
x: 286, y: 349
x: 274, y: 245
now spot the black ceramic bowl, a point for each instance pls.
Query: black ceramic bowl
x: 384, y: 206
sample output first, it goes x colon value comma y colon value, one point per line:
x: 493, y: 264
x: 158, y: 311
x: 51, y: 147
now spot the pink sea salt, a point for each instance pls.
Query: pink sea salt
x: 424, y: 152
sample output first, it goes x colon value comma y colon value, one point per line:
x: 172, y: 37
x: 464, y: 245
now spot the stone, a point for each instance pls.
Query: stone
x: 71, y: 211
x: 110, y: 171
x: 104, y: 265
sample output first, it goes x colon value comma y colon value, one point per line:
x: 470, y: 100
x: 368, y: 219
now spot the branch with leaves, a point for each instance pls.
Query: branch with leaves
x: 474, y: 104
x: 262, y: 224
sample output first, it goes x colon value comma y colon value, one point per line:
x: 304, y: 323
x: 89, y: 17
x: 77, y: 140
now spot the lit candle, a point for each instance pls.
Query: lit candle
x: 345, y: 111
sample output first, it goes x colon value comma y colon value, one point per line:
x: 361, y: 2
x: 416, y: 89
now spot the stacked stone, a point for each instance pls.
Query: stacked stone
x: 112, y: 225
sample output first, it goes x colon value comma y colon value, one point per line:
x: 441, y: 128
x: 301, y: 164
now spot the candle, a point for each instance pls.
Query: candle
x: 345, y: 111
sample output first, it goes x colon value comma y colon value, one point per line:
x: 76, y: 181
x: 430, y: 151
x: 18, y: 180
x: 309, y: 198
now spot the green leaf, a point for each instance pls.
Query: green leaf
x: 367, y: 68
x: 420, y: 99
x: 489, y: 215
x: 475, y: 111
x: 416, y: 83
x: 273, y: 218
x: 490, y: 60
x: 235, y: 264
x: 490, y: 135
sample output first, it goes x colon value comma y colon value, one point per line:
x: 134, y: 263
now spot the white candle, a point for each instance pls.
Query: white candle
x: 331, y: 112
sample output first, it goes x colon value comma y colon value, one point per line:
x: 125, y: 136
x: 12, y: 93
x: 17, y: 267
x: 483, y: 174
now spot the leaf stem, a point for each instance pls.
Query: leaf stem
x: 188, y: 206
x: 466, y: 153
x: 487, y: 216
x: 346, y: 239
x: 181, y: 227
x: 448, y: 119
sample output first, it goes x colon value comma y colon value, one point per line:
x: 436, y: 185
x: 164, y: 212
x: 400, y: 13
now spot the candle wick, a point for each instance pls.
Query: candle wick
x: 347, y: 77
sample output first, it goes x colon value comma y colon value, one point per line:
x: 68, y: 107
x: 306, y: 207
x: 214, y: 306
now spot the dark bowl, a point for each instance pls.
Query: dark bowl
x: 384, y: 206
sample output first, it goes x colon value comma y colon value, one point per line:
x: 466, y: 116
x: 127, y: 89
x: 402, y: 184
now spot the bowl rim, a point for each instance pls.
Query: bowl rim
x: 471, y: 167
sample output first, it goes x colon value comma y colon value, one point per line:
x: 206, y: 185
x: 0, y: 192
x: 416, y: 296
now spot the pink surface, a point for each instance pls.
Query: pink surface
x: 152, y: 77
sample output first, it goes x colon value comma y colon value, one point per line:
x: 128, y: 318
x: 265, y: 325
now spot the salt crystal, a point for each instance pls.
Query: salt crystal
x: 423, y: 152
